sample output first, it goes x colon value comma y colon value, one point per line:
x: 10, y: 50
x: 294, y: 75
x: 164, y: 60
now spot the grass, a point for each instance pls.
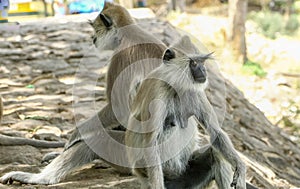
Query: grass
x: 253, y: 68
x: 274, y: 24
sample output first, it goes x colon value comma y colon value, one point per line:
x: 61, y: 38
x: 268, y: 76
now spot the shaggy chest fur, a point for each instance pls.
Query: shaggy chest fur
x: 180, y: 152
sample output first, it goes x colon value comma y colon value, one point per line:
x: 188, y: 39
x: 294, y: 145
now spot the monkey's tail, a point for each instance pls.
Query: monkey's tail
x: 14, y: 141
x: 76, y: 156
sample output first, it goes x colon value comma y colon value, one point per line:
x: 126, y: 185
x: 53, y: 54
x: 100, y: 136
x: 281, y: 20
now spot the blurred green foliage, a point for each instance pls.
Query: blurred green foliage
x: 253, y: 68
x: 292, y: 24
x: 273, y: 23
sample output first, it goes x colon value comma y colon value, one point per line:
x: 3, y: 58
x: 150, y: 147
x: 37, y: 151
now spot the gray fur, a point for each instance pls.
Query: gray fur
x: 171, y: 90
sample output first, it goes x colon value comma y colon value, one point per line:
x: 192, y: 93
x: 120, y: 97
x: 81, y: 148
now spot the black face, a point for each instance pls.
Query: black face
x: 106, y: 20
x: 196, y: 65
x: 198, y: 70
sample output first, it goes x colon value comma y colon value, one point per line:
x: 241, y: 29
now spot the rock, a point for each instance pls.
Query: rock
x: 27, y: 124
x: 59, y: 45
x: 5, y: 44
x: 49, y: 64
x: 47, y: 130
x: 41, y: 135
x: 20, y: 154
x: 11, y: 52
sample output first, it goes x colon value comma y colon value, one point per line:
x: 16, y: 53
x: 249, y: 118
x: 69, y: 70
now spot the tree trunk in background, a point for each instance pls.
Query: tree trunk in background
x: 126, y: 3
x: 288, y: 9
x: 52, y: 9
x: 237, y: 18
x: 45, y: 8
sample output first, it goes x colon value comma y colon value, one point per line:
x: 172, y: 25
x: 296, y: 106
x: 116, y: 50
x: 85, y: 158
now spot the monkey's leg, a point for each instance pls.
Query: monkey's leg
x: 204, y: 166
x: 223, y: 172
x: 105, y: 118
x: 76, y: 153
x: 223, y: 146
x: 90, y: 126
x: 79, y: 154
x: 199, y: 172
x: 154, y: 169
x: 221, y: 143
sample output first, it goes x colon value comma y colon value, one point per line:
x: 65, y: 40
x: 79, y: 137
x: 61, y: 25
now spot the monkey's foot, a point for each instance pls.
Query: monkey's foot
x: 9, y: 178
x: 239, y: 178
x: 22, y: 177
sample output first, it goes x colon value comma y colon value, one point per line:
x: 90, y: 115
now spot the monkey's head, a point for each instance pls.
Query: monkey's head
x: 189, y: 66
x: 106, y: 26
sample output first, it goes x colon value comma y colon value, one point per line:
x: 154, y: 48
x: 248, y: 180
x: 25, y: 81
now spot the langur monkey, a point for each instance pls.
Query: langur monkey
x: 116, y: 30
x: 160, y: 122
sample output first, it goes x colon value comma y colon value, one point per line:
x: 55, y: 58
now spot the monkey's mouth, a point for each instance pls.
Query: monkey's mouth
x: 200, y: 79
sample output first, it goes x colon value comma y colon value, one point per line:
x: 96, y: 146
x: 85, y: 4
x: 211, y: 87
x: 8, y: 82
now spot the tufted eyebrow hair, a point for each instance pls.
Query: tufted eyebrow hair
x: 202, y: 57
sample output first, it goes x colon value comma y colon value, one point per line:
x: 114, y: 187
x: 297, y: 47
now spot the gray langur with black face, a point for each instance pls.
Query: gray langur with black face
x: 135, y: 52
x: 162, y: 135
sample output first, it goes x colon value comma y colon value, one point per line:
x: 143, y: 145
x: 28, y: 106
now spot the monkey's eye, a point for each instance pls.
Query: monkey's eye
x: 193, y: 62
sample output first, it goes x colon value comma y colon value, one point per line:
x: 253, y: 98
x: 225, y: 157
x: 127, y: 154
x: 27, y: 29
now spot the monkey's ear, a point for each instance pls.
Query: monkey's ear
x: 106, y: 20
x: 168, y: 55
x: 90, y: 22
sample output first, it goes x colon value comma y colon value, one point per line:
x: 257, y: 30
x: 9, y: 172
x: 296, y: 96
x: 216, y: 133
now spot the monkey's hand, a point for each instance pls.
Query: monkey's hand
x: 239, y: 177
x: 22, y: 177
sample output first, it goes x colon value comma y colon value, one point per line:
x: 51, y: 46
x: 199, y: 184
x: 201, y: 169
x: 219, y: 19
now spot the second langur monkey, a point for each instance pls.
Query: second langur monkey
x: 161, y: 119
